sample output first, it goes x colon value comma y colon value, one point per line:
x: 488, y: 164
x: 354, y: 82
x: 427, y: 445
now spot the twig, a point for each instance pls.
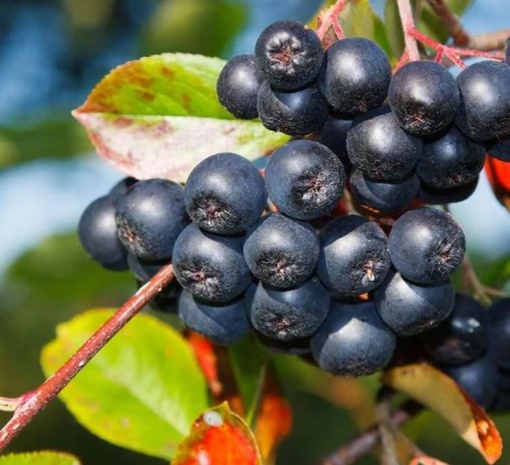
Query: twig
x: 364, y: 443
x: 329, y: 19
x: 489, y: 41
x: 407, y: 19
x: 451, y: 22
x: 31, y: 403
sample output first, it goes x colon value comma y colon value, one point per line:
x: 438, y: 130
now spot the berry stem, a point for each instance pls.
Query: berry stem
x: 407, y: 19
x: 365, y: 442
x: 329, y: 19
x: 26, y: 407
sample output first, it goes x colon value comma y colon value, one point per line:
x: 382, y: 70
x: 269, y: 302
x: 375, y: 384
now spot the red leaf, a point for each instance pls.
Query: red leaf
x: 498, y: 173
x: 218, y: 437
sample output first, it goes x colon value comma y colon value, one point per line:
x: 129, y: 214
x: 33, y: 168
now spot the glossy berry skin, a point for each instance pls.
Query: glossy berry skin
x: 221, y: 323
x: 462, y: 337
x: 450, y: 160
x: 353, y: 341
x: 225, y: 194
x: 209, y: 266
x: 149, y: 218
x: 382, y: 150
x: 410, y: 309
x: 480, y: 379
x: 500, y: 149
x: 304, y: 179
x: 433, y: 196
x: 499, y: 332
x: 295, y: 113
x: 288, y: 54
x: 426, y: 245
x: 97, y: 232
x: 122, y: 186
x: 385, y: 197
x: 354, y: 255
x: 424, y: 97
x: 290, y: 314
x: 238, y: 85
x: 356, y: 75
x: 281, y: 252
x: 333, y: 134
x: 485, y: 101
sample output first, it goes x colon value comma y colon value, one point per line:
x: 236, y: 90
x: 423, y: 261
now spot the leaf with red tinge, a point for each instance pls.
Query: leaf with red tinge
x: 159, y: 116
x: 205, y: 353
x: 218, y: 437
x: 442, y: 395
x: 498, y: 173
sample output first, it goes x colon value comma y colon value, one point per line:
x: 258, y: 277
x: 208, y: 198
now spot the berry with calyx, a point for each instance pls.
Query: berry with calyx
x: 288, y: 54
x: 281, y: 252
x: 238, y: 85
x: 450, y: 160
x: 424, y: 97
x: 485, y: 101
x: 353, y: 340
x: 355, y: 76
x: 354, y: 255
x: 150, y: 216
x: 288, y: 314
x: 225, y: 194
x: 304, y: 179
x: 381, y: 149
x: 426, y: 245
x: 462, y: 337
x: 222, y: 323
x: 97, y: 231
x: 295, y: 113
x: 209, y: 266
x: 409, y: 308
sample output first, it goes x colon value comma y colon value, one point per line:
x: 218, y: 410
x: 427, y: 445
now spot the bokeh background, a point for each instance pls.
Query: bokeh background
x: 52, y: 52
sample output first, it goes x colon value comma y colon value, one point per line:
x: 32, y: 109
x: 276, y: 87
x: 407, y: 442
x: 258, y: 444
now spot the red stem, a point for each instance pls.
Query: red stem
x: 31, y: 403
x: 407, y: 19
x: 330, y: 19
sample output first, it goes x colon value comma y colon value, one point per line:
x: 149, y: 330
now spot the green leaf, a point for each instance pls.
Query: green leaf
x: 141, y: 392
x: 39, y: 458
x: 159, y: 116
x: 394, y: 27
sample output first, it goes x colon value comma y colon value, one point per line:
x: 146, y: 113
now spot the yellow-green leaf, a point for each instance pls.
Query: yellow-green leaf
x: 141, y: 392
x: 435, y: 390
x: 159, y: 116
x: 39, y: 458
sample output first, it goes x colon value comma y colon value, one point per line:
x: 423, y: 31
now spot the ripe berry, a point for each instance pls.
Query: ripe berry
x: 122, y: 186
x: 450, y: 160
x: 485, y: 101
x: 381, y: 149
x: 353, y: 340
x: 424, y: 97
x: 238, y: 85
x: 434, y: 196
x: 288, y: 54
x: 211, y: 267
x: 500, y: 149
x: 98, y: 234
x: 356, y: 75
x: 480, y: 379
x: 281, y: 252
x: 304, y: 179
x: 222, y: 323
x: 461, y: 338
x: 333, y: 134
x: 295, y: 113
x: 409, y: 308
x: 384, y: 197
x: 354, y: 255
x: 149, y: 218
x: 225, y: 194
x: 290, y: 314
x: 499, y: 332
x: 426, y: 245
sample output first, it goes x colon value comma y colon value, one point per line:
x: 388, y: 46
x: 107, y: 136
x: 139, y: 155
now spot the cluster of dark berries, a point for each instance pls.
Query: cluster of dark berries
x: 419, y: 133
x: 302, y: 278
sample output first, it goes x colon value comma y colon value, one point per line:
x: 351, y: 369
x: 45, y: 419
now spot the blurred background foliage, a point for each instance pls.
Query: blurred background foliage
x: 52, y: 52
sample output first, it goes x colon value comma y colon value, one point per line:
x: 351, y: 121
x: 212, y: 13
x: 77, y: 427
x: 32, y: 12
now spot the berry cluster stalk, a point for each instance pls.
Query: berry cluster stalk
x: 27, y: 406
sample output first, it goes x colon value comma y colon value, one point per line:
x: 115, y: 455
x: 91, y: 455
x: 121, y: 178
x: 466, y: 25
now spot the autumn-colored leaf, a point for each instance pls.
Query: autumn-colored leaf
x: 205, y: 353
x: 274, y: 419
x: 442, y: 395
x: 498, y: 173
x: 159, y: 116
x: 218, y: 437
